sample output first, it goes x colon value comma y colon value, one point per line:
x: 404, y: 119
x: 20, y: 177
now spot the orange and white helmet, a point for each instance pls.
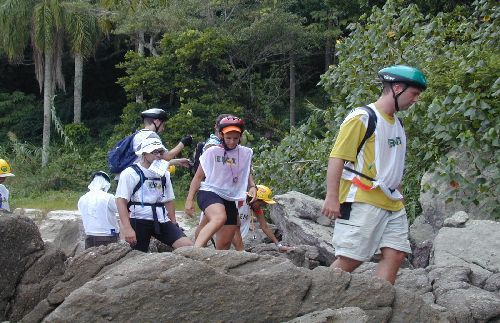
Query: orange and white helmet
x: 264, y: 194
x: 5, y: 170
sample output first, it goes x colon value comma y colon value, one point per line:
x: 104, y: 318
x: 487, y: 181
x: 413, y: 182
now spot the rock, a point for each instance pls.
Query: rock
x: 457, y: 220
x: 80, y: 270
x: 434, y: 199
x: 465, y: 302
x: 409, y: 307
x: 295, y: 214
x: 65, y: 230
x: 300, y: 256
x: 38, y: 281
x: 21, y: 245
x: 476, y: 246
x: 421, y: 253
x: 201, y: 284
x: 415, y: 281
x: 34, y: 214
x: 492, y: 284
x: 341, y: 315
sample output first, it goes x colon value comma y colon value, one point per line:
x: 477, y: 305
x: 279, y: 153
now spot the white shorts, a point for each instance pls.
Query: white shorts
x: 358, y: 234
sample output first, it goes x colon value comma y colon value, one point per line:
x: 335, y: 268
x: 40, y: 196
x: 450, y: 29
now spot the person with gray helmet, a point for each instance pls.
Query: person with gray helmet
x: 154, y: 123
x: 98, y: 210
x: 145, y: 200
x: 364, y: 177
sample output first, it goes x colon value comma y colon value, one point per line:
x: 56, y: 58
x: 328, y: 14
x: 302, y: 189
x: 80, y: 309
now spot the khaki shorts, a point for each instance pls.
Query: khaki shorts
x: 360, y: 233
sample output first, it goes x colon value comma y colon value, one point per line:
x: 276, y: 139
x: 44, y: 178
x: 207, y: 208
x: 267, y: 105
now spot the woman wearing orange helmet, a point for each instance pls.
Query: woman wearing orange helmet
x: 222, y: 178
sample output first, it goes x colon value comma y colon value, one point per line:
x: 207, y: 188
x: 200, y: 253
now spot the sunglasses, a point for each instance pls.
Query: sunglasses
x: 158, y: 152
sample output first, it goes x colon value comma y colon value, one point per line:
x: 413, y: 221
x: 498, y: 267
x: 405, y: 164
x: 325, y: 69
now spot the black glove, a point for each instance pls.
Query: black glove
x: 187, y: 141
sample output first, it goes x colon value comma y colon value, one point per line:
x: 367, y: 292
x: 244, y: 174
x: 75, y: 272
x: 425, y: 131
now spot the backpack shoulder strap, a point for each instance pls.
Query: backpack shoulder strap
x: 139, y: 172
x: 370, y: 129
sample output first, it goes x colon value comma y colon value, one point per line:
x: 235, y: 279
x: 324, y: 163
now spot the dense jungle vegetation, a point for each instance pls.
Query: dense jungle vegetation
x: 74, y: 76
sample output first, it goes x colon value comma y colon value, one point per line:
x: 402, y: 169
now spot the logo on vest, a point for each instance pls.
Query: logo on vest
x: 394, y: 142
x: 225, y: 160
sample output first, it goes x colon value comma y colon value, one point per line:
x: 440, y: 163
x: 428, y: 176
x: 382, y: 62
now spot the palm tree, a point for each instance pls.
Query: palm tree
x: 41, y: 22
x: 83, y: 31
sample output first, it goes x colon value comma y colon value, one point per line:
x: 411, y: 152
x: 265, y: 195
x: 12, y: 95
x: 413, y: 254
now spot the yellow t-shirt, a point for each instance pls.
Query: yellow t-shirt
x: 350, y: 135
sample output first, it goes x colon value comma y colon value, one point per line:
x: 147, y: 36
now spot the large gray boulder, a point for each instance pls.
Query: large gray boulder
x: 453, y: 289
x: 476, y: 246
x: 299, y: 218
x: 29, y: 268
x: 204, y: 285
x: 65, y: 230
x: 436, y: 206
x: 21, y: 246
x: 38, y: 281
x: 80, y: 270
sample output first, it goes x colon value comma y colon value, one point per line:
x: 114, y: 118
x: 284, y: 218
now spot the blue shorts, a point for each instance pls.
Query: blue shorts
x: 206, y: 198
x: 144, y: 229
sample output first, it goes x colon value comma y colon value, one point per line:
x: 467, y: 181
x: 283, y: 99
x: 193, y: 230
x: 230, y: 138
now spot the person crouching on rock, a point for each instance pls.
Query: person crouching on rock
x: 226, y: 169
x: 98, y: 210
x: 248, y: 211
x: 145, y: 190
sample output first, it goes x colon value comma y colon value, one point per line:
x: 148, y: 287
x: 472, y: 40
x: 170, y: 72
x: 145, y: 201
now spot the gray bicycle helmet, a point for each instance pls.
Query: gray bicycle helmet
x: 155, y: 113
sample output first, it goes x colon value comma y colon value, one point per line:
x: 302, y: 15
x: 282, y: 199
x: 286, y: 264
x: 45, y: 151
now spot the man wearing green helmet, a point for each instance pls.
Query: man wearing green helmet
x: 365, y: 171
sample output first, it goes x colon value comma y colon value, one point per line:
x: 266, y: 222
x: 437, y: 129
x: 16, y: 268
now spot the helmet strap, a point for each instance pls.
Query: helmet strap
x: 396, y: 96
x: 157, y: 127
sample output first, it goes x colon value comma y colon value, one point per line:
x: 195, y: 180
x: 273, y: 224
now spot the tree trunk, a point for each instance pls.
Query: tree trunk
x: 139, y: 98
x: 292, y: 91
x: 47, y: 99
x: 77, y: 94
x: 328, y: 47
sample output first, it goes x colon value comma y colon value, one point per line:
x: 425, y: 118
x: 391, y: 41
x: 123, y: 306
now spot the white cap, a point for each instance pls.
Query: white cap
x: 149, y: 145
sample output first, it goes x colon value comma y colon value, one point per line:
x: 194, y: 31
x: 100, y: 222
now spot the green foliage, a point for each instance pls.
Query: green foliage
x: 67, y: 171
x: 196, y: 117
x: 21, y: 115
x: 298, y: 162
x: 458, y: 111
x: 78, y: 133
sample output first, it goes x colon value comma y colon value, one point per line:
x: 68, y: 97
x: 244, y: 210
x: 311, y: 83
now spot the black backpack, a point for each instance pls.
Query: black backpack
x: 196, y: 157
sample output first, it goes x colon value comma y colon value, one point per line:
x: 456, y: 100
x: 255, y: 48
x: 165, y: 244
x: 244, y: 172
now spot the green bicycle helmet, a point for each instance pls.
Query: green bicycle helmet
x: 403, y: 74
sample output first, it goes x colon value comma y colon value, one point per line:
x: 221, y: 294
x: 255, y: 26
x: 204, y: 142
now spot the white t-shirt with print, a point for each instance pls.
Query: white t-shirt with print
x: 4, y: 198
x: 226, y: 171
x: 98, y: 210
x: 150, y: 192
x: 245, y: 218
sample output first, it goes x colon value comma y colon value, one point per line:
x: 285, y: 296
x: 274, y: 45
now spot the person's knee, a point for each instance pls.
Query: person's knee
x: 218, y: 220
x: 182, y: 242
